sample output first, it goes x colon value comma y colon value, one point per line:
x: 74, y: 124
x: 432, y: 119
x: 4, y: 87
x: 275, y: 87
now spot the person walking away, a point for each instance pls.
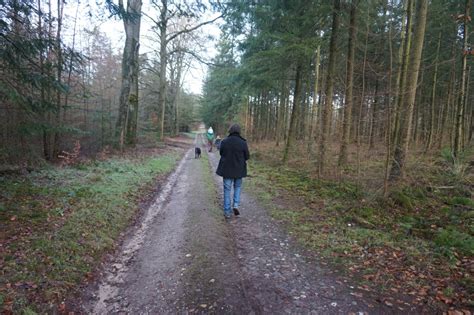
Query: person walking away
x: 233, y: 168
x: 210, y: 138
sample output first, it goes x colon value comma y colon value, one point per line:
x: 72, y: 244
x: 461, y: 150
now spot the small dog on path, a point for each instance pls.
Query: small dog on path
x: 197, y: 152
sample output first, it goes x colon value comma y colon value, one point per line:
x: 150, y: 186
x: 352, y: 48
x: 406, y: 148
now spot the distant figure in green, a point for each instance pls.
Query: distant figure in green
x: 210, y: 138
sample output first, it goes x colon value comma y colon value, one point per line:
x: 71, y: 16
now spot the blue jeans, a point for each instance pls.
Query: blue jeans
x: 227, y: 188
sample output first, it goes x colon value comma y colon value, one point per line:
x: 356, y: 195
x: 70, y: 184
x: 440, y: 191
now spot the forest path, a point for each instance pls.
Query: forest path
x: 185, y: 258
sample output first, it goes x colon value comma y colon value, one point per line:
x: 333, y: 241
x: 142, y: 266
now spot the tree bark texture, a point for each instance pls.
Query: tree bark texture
x: 128, y: 109
x: 406, y: 115
x: 431, y: 127
x: 163, y: 63
x: 327, y: 109
x: 458, y: 133
x: 294, y: 113
x: 346, y: 125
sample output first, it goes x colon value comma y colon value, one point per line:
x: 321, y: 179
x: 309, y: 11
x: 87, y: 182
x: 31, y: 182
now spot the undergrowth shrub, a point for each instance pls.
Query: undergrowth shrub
x: 452, y: 239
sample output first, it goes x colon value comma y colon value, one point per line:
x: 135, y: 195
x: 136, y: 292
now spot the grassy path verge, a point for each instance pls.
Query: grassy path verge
x: 56, y: 224
x: 415, y: 243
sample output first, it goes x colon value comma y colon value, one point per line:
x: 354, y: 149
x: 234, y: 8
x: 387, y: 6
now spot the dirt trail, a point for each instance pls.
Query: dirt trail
x: 185, y: 258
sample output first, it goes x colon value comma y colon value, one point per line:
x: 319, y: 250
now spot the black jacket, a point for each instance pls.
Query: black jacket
x: 234, y: 154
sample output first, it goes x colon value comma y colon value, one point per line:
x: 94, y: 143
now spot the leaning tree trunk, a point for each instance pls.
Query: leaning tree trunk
x: 128, y: 108
x: 327, y: 109
x: 346, y: 125
x: 458, y: 133
x: 406, y: 116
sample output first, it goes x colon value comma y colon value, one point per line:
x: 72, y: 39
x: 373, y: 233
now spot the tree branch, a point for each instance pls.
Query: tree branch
x: 188, y: 30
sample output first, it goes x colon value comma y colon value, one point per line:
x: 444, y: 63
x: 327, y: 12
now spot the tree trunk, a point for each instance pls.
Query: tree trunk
x: 315, y: 102
x: 247, y: 115
x: 346, y: 125
x: 44, y: 134
x: 373, y: 118
x: 128, y: 108
x: 401, y: 146
x: 57, y: 122
x: 70, y: 67
x: 327, y: 109
x: 466, y: 120
x: 279, y: 113
x: 402, y: 74
x: 446, y: 109
x: 388, y: 134
x: 418, y: 110
x: 362, y: 96
x: 458, y: 134
x: 163, y: 62
x: 471, y: 124
x: 429, y: 141
x: 178, y: 90
x: 294, y: 114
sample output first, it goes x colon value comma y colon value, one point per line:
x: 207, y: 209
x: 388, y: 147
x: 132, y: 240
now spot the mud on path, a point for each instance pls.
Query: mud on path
x: 185, y: 258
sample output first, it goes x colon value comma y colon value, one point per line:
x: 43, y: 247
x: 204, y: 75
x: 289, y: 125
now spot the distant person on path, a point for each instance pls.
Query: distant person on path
x: 217, y: 142
x: 233, y: 167
x: 210, y: 138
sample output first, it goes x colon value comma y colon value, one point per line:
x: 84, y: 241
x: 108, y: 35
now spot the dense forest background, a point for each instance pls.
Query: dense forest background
x: 332, y: 77
x: 64, y: 86
x: 338, y: 81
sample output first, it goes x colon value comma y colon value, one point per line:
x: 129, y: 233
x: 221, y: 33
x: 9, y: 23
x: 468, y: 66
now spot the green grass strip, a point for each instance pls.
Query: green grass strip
x: 67, y: 218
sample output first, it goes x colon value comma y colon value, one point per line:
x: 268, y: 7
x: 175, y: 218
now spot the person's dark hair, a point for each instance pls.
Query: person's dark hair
x: 235, y: 128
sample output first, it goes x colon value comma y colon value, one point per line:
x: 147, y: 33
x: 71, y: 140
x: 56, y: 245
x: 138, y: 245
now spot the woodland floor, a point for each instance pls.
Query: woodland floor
x: 284, y: 255
x: 417, y: 240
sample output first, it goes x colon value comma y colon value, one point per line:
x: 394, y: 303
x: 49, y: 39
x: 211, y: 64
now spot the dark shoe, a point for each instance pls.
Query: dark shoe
x: 227, y: 218
x: 236, y: 211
